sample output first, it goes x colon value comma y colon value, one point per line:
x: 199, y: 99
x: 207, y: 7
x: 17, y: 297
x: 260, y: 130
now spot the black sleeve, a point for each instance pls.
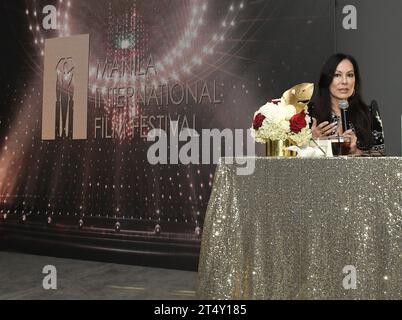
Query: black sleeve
x: 311, y: 112
x: 377, y: 130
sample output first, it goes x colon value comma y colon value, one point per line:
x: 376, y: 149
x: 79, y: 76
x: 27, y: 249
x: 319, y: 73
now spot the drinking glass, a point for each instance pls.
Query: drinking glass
x: 340, y: 145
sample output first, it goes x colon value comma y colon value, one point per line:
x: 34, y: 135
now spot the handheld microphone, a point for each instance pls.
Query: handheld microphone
x: 344, y: 105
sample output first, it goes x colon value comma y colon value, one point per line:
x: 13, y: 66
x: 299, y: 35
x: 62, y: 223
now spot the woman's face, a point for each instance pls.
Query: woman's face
x: 343, y: 83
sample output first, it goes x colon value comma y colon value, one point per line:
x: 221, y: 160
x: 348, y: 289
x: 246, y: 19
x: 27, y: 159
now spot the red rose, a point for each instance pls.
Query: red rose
x: 258, y: 120
x: 298, y: 122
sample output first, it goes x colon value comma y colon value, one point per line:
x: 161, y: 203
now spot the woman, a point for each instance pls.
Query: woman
x: 339, y: 81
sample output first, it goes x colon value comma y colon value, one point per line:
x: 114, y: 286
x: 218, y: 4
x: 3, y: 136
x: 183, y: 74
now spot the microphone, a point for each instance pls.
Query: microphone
x: 344, y: 105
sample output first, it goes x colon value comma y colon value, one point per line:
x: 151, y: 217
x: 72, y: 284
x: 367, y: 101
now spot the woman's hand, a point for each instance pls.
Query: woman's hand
x: 353, y: 142
x: 324, y: 129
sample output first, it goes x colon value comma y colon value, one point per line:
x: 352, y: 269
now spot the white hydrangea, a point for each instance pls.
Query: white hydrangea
x: 290, y: 111
x: 276, y: 125
x: 302, y: 138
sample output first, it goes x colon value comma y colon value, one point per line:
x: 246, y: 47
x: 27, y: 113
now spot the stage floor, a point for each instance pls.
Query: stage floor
x: 21, y: 278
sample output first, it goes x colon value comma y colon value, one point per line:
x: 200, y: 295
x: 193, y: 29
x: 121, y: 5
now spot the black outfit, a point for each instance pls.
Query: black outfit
x: 377, y: 146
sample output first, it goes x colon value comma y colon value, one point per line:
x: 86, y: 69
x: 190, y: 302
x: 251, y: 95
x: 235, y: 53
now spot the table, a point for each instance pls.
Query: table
x: 328, y: 228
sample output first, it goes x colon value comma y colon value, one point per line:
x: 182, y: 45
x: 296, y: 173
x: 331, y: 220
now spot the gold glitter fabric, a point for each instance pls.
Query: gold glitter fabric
x: 296, y: 228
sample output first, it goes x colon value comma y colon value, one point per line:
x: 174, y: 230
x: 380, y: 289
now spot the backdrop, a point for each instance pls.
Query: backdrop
x: 84, y: 82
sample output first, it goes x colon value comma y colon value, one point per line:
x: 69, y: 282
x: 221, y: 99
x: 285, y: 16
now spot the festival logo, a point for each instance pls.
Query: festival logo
x: 65, y: 88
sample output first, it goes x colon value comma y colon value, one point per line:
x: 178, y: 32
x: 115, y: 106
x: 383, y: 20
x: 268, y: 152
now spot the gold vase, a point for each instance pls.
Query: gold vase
x: 277, y: 148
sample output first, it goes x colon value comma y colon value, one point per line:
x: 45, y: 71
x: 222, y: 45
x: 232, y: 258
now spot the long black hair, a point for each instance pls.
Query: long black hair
x: 359, y: 113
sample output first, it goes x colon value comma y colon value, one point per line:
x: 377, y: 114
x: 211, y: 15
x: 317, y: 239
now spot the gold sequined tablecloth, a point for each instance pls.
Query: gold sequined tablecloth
x: 288, y: 230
